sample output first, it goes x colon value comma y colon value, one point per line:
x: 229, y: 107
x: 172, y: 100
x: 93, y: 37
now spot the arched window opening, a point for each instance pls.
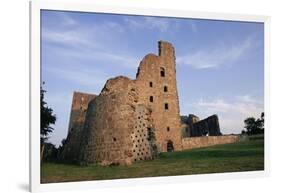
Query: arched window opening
x: 165, y: 89
x: 162, y: 72
x: 170, y: 146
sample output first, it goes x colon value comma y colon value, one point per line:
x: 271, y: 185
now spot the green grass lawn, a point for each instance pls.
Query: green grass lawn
x: 241, y: 156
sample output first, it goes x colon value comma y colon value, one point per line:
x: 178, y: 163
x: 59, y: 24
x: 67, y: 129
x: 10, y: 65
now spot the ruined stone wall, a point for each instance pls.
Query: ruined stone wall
x: 198, y: 142
x: 142, y: 147
x: 79, y: 107
x: 156, y: 79
x: 209, y: 126
x: 116, y: 124
x: 187, y: 125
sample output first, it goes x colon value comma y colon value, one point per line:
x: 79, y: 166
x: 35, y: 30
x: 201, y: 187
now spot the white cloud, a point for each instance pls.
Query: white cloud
x: 193, y: 26
x: 159, y: 23
x: 215, y: 56
x: 108, y: 57
x: 68, y: 31
x: 232, y: 113
x: 75, y: 37
x: 92, y: 38
x: 84, y: 77
x: 67, y: 20
x: 249, y: 99
x: 162, y: 24
x: 96, y: 42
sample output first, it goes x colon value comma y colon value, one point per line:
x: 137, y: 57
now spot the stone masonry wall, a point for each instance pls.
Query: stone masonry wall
x: 209, y: 126
x: 156, y: 78
x: 205, y: 141
x: 116, y: 124
x: 79, y: 107
x: 109, y: 123
x: 142, y: 150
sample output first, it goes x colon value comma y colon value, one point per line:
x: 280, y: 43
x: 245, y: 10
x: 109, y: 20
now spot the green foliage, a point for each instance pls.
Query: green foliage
x: 254, y: 126
x: 50, y: 152
x: 60, y: 149
x: 152, y: 140
x: 47, y: 117
x: 242, y: 156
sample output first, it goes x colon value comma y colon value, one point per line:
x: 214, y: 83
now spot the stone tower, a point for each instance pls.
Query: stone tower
x: 79, y: 108
x: 109, y: 124
x: 156, y: 78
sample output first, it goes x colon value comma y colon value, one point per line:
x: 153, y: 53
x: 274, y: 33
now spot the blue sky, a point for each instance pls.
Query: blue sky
x: 220, y: 64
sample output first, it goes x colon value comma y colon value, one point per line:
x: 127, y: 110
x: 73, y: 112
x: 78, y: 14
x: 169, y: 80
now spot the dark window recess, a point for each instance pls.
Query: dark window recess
x: 168, y: 128
x: 150, y: 84
x: 165, y: 89
x: 151, y: 99
x: 162, y: 72
x: 114, y: 139
x: 170, y: 146
x: 166, y: 106
x: 149, y: 134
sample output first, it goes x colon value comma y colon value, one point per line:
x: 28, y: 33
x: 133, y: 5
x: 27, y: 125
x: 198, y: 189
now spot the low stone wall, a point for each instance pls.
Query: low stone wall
x: 197, y: 142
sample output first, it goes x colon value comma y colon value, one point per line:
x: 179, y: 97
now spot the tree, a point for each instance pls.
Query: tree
x: 47, y: 118
x: 60, y: 149
x: 50, y: 152
x: 254, y: 126
x: 261, y: 120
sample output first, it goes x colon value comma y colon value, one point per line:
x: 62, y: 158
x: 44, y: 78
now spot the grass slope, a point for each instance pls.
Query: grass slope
x: 242, y: 156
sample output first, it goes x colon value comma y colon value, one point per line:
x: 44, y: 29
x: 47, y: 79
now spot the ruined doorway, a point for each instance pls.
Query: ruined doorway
x: 170, y: 146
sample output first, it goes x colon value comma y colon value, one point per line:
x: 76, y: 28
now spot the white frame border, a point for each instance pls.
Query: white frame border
x: 34, y: 146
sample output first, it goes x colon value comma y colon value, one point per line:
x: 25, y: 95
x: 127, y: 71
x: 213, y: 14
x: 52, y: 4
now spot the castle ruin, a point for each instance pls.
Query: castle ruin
x: 194, y: 127
x: 130, y: 120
